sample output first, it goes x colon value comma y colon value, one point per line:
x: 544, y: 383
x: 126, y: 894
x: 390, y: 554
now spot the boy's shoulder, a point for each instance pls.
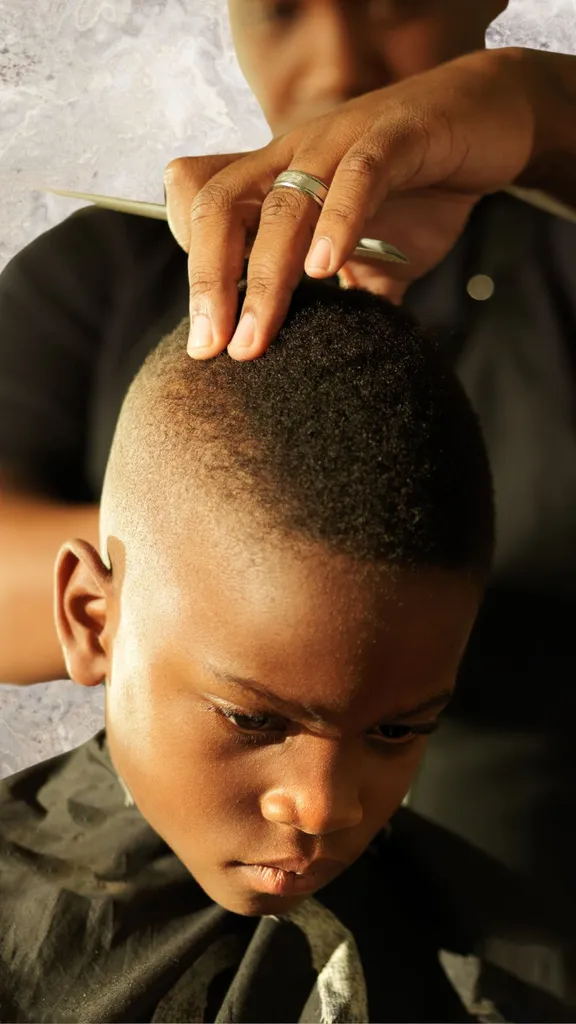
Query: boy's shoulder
x: 61, y: 822
x: 77, y: 866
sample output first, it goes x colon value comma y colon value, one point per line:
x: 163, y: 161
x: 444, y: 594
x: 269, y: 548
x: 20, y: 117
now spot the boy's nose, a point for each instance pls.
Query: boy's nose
x: 319, y: 799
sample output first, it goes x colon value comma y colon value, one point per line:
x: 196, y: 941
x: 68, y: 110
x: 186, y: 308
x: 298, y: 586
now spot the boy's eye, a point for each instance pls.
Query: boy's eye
x: 395, y: 733
x: 271, y: 727
x: 254, y: 723
x: 398, y: 734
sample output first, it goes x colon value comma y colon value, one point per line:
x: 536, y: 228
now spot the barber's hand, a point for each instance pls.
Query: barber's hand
x: 405, y: 164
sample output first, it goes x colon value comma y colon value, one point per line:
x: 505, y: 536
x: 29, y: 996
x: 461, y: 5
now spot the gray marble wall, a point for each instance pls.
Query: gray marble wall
x: 98, y: 95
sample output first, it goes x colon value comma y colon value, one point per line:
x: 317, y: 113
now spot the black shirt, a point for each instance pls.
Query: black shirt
x: 82, y: 306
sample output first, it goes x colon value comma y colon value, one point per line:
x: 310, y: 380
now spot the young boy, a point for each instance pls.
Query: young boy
x: 293, y: 551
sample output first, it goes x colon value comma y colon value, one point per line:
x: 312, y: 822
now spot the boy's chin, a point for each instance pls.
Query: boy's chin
x: 246, y: 903
x: 260, y: 905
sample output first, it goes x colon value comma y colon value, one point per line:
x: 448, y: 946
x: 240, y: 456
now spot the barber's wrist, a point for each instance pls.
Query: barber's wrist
x: 548, y: 82
x: 510, y: 73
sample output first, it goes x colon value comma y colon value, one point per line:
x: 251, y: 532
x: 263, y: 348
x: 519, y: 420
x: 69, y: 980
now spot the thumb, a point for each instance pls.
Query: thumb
x: 373, y: 280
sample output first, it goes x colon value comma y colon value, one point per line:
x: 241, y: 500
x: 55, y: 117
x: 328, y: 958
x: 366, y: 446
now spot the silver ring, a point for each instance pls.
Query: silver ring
x: 371, y: 248
x: 305, y: 183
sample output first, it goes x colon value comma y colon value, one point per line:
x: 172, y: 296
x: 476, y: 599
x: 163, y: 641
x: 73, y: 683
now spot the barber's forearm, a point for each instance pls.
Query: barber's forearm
x: 31, y: 532
x: 551, y: 82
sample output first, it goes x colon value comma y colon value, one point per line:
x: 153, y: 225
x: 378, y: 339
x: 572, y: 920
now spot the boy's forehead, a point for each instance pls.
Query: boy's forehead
x: 275, y: 611
x: 219, y: 555
x: 248, y: 563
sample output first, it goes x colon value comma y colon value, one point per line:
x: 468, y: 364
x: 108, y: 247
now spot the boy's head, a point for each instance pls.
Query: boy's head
x: 293, y: 554
x: 302, y: 58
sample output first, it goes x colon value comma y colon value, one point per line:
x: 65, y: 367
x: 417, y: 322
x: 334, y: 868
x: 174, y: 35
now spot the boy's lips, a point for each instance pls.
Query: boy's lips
x: 294, y: 877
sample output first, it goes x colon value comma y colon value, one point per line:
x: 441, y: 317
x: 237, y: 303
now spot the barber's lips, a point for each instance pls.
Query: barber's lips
x: 285, y: 878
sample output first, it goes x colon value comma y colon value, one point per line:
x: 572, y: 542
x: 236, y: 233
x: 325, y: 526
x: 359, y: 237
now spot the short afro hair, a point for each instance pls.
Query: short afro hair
x: 351, y: 431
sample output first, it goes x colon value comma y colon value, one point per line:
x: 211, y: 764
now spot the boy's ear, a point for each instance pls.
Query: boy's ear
x: 82, y: 606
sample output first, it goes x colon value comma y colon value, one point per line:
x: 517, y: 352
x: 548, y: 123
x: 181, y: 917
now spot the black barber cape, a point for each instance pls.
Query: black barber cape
x: 100, y: 922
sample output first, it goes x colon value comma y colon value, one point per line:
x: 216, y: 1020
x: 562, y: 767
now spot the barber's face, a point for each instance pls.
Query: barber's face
x: 302, y: 58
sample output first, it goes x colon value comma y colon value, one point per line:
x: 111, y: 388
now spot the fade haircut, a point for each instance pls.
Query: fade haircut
x: 352, y: 431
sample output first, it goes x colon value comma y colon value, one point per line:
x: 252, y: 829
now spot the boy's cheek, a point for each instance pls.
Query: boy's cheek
x: 176, y: 769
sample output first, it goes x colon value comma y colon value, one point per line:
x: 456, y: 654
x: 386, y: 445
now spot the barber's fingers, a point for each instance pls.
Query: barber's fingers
x: 224, y: 219
x: 369, y: 277
x: 454, y: 132
x: 276, y: 265
x: 207, y: 219
x: 213, y: 216
x: 355, y: 162
x: 183, y: 179
x: 219, y: 206
x: 358, y: 190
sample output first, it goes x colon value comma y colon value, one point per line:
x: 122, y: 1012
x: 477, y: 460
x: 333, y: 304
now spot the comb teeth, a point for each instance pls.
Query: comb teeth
x: 154, y: 210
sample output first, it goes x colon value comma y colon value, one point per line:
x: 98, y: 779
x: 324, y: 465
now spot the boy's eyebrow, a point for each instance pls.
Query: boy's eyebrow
x: 439, y: 700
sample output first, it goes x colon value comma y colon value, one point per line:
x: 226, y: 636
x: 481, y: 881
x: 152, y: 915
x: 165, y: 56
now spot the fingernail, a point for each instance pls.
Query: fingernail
x: 244, y: 335
x: 321, y: 256
x: 200, y: 333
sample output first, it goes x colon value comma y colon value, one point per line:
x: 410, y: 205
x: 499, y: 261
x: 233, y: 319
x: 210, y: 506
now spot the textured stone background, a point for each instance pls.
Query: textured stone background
x: 98, y: 95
